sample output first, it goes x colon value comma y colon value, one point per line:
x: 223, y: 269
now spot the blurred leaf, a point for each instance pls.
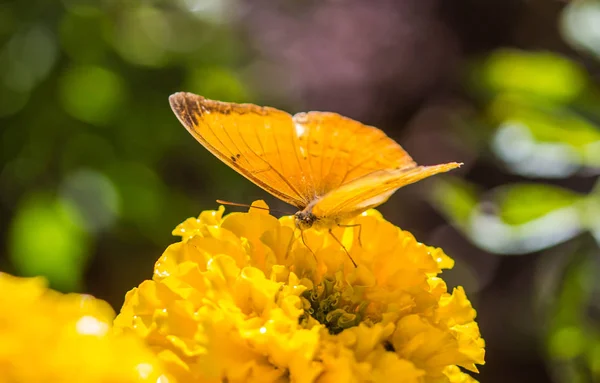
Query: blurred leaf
x: 579, y: 25
x: 521, y: 203
x: 515, y: 219
x: 566, y: 343
x: 91, y: 93
x: 514, y: 144
x: 46, y: 239
x: 572, y: 337
x: 548, y: 122
x: 541, y: 74
x: 540, y: 130
x: 594, y: 358
x: 543, y: 140
x: 591, y: 212
x: 455, y: 198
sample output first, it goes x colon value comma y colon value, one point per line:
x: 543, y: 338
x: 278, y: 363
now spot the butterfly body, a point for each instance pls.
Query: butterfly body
x: 330, y: 167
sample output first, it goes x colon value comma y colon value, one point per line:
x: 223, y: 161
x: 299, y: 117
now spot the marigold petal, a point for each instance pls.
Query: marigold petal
x: 65, y: 337
x: 249, y: 298
x: 455, y: 375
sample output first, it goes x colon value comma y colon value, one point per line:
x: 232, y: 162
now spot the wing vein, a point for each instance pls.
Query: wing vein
x: 300, y: 196
x: 303, y: 175
x: 226, y: 159
x: 309, y: 160
x: 337, y: 151
x: 213, y: 132
x: 365, y: 160
x: 308, y: 155
x: 334, y: 157
x: 323, y: 146
x: 233, y: 141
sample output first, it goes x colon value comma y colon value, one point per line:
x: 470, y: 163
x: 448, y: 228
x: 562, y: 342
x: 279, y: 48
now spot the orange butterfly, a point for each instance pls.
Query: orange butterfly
x: 330, y: 167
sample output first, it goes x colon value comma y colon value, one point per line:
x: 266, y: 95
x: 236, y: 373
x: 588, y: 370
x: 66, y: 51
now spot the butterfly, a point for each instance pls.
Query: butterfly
x: 330, y: 167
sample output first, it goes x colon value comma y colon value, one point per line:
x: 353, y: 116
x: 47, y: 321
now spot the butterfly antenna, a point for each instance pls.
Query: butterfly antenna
x: 343, y: 247
x: 289, y: 247
x: 252, y: 207
x: 305, y: 245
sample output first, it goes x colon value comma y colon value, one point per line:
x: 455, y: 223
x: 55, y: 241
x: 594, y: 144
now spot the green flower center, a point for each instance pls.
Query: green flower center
x: 327, y: 305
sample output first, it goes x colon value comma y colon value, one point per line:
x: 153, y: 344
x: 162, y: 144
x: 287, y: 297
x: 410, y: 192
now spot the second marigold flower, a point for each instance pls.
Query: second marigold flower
x: 243, y: 298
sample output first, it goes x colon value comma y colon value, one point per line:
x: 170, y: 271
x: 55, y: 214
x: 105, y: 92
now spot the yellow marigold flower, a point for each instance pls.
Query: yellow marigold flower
x: 244, y: 298
x: 46, y: 336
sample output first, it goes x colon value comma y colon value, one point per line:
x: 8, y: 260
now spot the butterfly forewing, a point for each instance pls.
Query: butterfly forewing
x: 338, y: 149
x: 258, y: 142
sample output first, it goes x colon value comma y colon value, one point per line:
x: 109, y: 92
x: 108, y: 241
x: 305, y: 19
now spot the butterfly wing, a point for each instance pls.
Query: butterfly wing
x: 257, y: 142
x: 298, y: 159
x: 371, y: 190
x: 338, y: 149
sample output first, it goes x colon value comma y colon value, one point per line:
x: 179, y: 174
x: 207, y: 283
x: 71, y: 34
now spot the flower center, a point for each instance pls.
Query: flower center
x: 328, y: 306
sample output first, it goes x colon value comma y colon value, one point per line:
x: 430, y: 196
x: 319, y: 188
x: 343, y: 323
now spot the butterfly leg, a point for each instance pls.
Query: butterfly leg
x: 359, y: 230
x: 304, y: 242
x: 343, y: 247
x: 289, y: 247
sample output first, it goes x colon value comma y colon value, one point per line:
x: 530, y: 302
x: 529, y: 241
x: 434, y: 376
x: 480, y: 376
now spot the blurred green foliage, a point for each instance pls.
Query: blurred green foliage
x: 520, y: 202
x: 89, y: 144
x: 543, y: 122
x: 535, y: 107
x: 46, y: 238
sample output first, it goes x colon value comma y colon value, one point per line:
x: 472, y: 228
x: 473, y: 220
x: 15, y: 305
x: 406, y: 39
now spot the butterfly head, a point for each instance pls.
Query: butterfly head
x: 304, y: 219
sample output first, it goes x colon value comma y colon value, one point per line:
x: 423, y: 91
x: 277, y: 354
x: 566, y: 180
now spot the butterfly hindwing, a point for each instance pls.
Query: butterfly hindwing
x: 372, y: 190
x: 338, y: 150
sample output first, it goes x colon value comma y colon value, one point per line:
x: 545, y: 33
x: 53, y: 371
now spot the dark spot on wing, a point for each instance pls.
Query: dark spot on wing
x: 238, y: 155
x: 233, y: 158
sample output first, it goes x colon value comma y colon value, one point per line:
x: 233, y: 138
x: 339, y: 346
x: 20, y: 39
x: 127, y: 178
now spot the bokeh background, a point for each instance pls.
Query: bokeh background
x: 96, y: 171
